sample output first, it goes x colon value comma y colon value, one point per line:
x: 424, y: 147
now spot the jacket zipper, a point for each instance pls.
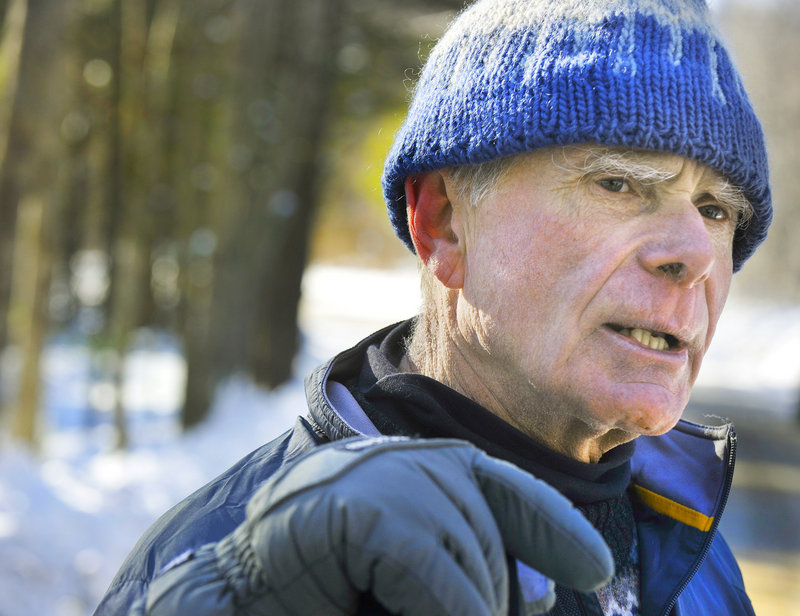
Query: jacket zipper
x: 713, y: 530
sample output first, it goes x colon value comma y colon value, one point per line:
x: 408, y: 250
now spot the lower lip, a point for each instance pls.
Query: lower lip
x: 673, y: 356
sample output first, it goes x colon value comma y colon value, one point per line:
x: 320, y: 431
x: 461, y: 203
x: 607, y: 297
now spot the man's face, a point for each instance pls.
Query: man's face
x: 579, y: 258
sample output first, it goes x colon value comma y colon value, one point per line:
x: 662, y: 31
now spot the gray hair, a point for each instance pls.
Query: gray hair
x: 475, y: 183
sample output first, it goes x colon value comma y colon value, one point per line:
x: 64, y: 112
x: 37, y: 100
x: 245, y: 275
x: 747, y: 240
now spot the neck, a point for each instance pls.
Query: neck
x: 441, y: 353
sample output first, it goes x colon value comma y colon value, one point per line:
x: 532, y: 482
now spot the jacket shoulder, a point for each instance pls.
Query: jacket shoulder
x: 205, y: 516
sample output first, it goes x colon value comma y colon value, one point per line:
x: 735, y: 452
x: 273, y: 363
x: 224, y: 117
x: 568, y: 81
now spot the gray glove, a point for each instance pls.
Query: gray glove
x: 422, y: 525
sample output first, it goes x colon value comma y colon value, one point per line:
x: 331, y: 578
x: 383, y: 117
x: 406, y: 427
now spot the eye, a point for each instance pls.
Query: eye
x: 616, y: 185
x: 714, y: 212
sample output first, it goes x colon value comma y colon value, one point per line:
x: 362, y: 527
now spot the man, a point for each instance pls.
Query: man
x: 579, y: 180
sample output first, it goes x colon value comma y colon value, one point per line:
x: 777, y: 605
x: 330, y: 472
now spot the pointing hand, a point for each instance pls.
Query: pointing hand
x: 424, y: 526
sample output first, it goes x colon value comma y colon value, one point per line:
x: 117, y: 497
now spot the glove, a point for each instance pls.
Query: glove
x: 421, y: 525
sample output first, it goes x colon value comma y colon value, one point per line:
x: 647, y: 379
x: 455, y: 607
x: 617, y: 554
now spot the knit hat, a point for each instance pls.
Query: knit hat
x: 512, y: 76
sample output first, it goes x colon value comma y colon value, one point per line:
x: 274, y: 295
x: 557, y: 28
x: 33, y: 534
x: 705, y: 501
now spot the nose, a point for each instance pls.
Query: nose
x: 680, y: 248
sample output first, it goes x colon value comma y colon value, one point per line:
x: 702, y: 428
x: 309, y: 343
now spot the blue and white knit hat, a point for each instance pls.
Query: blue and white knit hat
x: 511, y: 76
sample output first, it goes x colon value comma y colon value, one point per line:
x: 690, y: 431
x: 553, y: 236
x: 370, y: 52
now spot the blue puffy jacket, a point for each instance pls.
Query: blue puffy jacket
x: 681, y: 481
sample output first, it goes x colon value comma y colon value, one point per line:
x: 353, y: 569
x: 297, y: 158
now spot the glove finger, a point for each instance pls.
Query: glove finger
x: 470, y: 533
x: 384, y: 521
x: 333, y: 545
x: 377, y: 509
x: 422, y: 578
x: 542, y: 528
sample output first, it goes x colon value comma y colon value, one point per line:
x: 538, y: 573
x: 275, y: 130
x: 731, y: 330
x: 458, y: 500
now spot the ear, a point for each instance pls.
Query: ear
x: 433, y: 229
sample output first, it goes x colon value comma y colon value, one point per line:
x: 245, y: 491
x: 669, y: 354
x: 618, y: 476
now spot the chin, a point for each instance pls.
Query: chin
x: 646, y: 415
x: 645, y: 421
x: 657, y: 430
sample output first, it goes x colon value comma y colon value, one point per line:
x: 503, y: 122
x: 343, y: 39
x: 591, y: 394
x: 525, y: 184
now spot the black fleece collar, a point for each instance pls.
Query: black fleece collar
x: 416, y: 405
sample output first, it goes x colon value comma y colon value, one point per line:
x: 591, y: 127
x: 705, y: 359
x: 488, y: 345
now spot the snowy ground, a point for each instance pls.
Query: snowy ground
x: 69, y: 516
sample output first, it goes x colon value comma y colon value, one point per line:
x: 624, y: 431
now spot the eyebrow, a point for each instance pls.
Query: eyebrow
x: 623, y: 165
x: 734, y: 197
x: 626, y: 164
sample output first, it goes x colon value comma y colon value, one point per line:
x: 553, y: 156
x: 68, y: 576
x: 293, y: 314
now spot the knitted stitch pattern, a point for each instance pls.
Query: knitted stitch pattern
x: 511, y: 76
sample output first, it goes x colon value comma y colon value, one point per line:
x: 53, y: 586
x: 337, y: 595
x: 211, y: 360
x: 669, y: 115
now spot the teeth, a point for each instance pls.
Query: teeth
x: 646, y: 338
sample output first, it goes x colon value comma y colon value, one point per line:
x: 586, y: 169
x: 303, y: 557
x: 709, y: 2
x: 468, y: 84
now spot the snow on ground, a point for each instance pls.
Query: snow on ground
x: 69, y: 516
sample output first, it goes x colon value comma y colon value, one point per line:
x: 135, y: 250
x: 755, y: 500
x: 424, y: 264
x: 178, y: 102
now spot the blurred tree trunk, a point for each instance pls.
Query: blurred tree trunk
x: 196, y: 119
x: 3, y: 7
x: 284, y: 76
x: 157, y: 212
x: 27, y: 191
x: 27, y: 315
x: 135, y: 149
x: 139, y: 97
x: 125, y: 259
x: 285, y: 209
x: 11, y: 140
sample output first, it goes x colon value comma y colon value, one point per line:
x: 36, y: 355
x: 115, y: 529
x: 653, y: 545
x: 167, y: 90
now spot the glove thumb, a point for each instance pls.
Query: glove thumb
x: 536, y: 522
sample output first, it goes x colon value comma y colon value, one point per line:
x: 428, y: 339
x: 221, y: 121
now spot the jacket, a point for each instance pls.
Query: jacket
x: 680, y: 483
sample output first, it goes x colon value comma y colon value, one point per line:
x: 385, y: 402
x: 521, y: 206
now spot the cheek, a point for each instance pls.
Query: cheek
x: 548, y: 248
x: 528, y: 293
x: 523, y: 272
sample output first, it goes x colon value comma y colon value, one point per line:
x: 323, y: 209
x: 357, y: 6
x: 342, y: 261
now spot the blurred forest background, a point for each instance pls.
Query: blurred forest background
x: 175, y: 164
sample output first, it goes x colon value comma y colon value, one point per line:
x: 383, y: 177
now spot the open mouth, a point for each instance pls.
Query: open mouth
x: 658, y: 341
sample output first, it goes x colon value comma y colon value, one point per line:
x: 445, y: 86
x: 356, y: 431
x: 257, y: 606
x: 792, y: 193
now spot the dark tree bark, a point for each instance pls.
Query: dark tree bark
x: 285, y: 72
x: 199, y: 135
x: 283, y: 212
